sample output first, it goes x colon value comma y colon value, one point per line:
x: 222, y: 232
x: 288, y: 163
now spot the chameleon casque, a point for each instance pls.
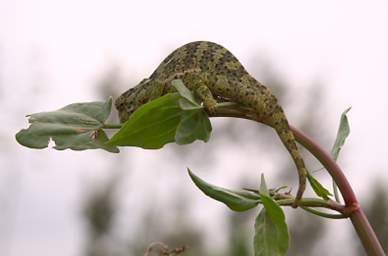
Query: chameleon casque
x: 214, y: 74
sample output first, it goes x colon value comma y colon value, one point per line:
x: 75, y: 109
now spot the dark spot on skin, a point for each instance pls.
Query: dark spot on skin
x: 143, y: 100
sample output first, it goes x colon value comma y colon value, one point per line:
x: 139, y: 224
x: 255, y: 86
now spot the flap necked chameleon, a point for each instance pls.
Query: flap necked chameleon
x: 214, y: 73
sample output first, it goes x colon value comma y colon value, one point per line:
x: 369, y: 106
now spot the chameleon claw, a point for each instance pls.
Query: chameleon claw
x: 211, y: 108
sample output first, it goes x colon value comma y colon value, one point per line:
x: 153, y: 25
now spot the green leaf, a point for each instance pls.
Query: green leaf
x: 188, y: 100
x: 184, y: 104
x: 194, y: 125
x: 184, y: 92
x: 151, y: 126
x: 271, y: 231
x: 172, y: 117
x: 342, y: 133
x: 263, y: 186
x: 236, y: 201
x: 76, y: 126
x: 318, y: 188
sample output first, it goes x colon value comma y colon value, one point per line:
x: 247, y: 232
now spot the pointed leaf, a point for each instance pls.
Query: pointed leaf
x: 318, y: 188
x: 263, y: 186
x: 184, y: 92
x: 234, y: 200
x: 342, y: 133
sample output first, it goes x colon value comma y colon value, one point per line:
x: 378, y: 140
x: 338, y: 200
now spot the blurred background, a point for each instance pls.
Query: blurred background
x: 318, y: 57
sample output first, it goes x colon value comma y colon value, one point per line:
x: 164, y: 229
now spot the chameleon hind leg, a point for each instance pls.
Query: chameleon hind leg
x: 207, y: 98
x: 199, y: 83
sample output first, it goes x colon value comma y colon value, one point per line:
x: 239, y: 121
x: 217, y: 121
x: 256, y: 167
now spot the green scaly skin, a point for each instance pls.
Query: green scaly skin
x: 214, y: 74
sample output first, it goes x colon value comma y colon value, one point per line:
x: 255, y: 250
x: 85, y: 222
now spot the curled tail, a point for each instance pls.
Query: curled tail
x: 279, y: 122
x: 256, y: 95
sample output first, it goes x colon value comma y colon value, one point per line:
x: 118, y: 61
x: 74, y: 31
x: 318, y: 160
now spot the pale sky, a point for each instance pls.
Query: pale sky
x: 65, y: 45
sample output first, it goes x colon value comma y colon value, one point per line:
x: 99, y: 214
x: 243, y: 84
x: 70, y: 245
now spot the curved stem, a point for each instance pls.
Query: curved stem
x: 353, y: 210
x: 365, y: 232
x: 330, y: 165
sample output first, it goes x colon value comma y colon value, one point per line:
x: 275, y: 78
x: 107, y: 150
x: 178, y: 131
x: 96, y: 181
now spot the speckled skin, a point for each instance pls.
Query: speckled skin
x: 214, y: 74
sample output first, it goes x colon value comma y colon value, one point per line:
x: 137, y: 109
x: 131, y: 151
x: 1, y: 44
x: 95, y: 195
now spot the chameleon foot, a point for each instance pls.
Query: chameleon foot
x: 207, y: 98
x: 210, y: 106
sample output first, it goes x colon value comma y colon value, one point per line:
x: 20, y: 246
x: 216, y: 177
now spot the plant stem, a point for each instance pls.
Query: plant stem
x: 352, y: 208
x: 330, y: 165
x: 323, y: 214
x: 335, y: 192
x: 364, y: 230
x: 112, y: 126
x: 226, y: 104
x: 286, y: 199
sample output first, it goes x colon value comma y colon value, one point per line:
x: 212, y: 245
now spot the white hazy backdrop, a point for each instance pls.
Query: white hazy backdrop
x: 53, y: 52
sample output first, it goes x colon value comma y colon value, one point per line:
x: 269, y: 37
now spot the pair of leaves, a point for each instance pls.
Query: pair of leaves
x: 174, y: 117
x: 77, y: 126
x: 271, y: 231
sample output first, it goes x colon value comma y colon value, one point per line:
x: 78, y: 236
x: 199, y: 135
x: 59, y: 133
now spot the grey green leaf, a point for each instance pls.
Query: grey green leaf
x: 342, y: 133
x: 76, y: 126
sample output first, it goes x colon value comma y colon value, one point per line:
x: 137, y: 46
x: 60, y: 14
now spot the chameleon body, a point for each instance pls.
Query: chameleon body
x: 214, y: 74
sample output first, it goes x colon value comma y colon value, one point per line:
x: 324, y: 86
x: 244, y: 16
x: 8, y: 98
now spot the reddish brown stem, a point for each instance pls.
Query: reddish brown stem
x: 330, y: 165
x: 354, y: 211
x: 352, y: 208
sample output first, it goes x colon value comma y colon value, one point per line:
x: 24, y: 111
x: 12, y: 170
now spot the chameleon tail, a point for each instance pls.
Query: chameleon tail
x: 280, y: 124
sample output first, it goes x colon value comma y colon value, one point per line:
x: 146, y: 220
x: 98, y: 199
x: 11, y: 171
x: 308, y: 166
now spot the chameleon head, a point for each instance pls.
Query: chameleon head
x: 132, y: 99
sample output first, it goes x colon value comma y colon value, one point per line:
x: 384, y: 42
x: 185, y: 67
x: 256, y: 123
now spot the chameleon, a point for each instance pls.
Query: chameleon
x: 214, y: 74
